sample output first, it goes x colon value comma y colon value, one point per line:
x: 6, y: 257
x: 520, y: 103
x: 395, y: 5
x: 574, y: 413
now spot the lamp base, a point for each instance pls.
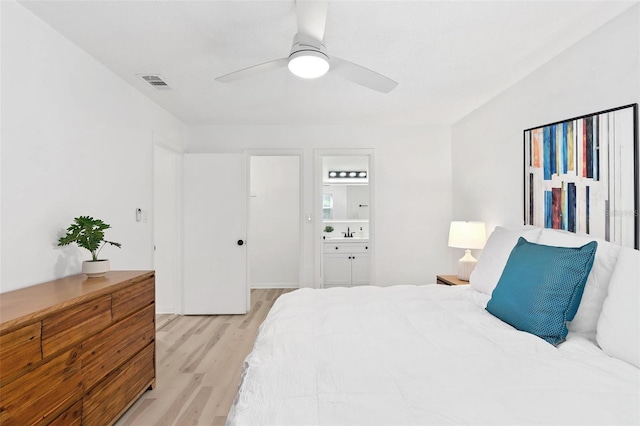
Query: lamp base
x: 466, y: 265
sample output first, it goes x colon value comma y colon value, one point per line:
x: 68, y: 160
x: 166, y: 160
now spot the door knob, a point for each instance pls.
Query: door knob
x: 240, y: 242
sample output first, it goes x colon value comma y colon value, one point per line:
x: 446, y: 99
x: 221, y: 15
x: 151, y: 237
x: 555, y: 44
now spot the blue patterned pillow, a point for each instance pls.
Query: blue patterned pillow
x: 541, y: 287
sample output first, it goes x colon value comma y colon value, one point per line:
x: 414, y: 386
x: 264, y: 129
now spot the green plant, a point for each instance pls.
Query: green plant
x: 328, y: 228
x: 87, y: 233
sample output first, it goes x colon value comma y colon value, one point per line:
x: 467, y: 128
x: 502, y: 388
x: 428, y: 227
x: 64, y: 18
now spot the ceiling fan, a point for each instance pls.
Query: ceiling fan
x: 309, y: 58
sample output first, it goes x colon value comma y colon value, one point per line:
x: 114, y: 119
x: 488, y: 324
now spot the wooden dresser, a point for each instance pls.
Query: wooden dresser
x: 77, y: 350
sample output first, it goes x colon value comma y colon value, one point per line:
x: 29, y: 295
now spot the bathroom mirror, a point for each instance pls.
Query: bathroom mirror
x: 345, y: 202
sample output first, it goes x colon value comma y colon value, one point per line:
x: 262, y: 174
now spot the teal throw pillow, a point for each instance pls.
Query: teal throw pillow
x: 541, y: 287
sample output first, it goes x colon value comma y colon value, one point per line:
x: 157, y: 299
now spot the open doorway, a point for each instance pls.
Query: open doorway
x: 274, y: 229
x: 344, y: 204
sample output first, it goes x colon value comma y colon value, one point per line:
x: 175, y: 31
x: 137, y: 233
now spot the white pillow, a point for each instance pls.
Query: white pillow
x: 595, y: 290
x: 619, y: 324
x: 495, y: 254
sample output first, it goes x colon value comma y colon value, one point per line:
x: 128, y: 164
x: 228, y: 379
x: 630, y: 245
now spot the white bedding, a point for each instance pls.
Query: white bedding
x: 408, y: 355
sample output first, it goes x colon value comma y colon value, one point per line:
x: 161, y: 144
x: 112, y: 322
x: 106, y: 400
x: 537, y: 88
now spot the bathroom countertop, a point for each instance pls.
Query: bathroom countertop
x: 346, y: 240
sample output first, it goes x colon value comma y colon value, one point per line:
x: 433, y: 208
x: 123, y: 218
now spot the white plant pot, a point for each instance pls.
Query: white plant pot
x: 95, y: 268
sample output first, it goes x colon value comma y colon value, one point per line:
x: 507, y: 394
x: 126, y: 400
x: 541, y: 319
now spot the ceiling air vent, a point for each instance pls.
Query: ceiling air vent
x: 156, y: 81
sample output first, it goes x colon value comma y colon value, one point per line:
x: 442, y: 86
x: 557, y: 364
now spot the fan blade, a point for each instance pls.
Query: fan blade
x: 312, y: 18
x: 361, y: 75
x: 254, y: 70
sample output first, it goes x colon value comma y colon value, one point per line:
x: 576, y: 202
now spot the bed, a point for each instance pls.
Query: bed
x: 432, y: 354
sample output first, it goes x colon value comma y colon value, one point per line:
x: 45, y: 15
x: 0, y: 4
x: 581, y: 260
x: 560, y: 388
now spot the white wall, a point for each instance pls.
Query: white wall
x: 76, y: 140
x: 412, y: 188
x: 599, y: 72
x: 274, y: 221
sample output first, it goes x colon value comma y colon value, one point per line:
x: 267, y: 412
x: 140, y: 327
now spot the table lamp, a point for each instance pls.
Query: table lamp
x: 467, y: 235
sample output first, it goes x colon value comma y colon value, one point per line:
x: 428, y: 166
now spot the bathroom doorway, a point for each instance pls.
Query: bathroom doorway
x: 344, y: 206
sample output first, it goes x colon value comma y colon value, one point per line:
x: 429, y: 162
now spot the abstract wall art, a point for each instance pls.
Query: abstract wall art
x: 581, y: 175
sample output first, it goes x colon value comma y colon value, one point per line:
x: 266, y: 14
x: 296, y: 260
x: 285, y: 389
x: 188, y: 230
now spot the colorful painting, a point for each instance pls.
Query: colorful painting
x: 581, y: 175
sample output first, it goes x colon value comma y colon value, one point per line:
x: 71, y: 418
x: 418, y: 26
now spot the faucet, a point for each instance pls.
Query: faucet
x: 348, y: 234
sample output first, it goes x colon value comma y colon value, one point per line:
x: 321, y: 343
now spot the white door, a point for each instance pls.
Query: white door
x: 337, y: 269
x: 360, y: 268
x: 166, y: 224
x: 215, y: 259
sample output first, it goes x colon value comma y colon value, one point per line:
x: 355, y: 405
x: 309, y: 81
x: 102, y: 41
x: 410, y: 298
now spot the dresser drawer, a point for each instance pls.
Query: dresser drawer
x: 71, y: 417
x: 73, y: 325
x: 346, y: 247
x: 42, y: 394
x: 112, y: 347
x: 20, y: 349
x: 118, y: 391
x: 133, y: 298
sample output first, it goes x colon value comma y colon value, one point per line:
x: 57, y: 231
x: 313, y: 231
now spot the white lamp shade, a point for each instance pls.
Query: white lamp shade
x: 467, y: 235
x: 308, y: 64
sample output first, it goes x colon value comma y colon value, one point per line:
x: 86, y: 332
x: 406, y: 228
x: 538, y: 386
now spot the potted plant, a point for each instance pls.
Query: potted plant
x: 88, y: 233
x: 328, y: 229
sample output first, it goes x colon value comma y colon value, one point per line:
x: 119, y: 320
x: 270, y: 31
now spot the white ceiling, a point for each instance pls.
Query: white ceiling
x: 449, y: 57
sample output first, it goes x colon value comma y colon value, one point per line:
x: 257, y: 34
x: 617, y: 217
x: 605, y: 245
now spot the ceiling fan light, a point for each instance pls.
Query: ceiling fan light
x: 308, y: 64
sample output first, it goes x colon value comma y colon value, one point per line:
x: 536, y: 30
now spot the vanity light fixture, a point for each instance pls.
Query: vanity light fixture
x: 351, y: 174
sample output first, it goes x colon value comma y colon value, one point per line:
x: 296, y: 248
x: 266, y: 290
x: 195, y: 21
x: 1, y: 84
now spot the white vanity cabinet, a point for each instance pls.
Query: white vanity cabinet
x: 346, y: 263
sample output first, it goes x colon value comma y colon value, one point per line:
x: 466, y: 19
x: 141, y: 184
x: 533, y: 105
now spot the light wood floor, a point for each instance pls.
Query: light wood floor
x: 199, y: 361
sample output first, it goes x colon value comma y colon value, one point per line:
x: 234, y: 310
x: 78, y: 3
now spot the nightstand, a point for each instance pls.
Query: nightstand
x: 450, y: 280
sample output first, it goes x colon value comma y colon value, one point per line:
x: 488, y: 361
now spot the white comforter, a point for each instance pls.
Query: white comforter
x: 409, y: 355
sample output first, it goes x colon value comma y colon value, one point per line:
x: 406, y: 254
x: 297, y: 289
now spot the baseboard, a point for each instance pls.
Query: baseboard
x: 274, y: 285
